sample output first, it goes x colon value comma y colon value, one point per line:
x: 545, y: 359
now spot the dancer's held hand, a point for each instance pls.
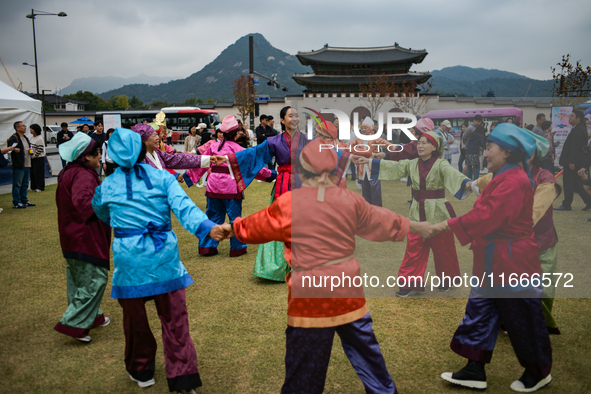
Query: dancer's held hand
x: 424, y: 229
x: 229, y: 231
x: 379, y: 155
x: 218, y: 232
x: 360, y: 160
x: 217, y: 160
x: 440, y: 227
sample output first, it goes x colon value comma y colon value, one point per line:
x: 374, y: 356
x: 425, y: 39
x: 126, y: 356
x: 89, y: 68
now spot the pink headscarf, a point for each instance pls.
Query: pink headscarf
x: 424, y: 125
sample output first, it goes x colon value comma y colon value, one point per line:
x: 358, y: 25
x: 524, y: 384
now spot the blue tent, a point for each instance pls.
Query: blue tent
x: 83, y: 120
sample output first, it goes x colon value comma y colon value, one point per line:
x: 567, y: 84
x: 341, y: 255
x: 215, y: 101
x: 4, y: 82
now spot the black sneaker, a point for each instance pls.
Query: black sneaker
x: 472, y: 376
x: 563, y: 208
x: 19, y: 206
x: 404, y: 293
x: 443, y: 288
x: 28, y: 204
x: 529, y: 382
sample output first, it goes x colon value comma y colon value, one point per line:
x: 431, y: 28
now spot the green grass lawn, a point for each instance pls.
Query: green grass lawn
x: 238, y: 321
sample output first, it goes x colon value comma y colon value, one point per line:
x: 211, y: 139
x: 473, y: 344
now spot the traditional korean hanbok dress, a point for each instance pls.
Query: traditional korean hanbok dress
x: 223, y: 197
x: 319, y: 239
x: 430, y: 178
x: 138, y: 199
x: 270, y: 262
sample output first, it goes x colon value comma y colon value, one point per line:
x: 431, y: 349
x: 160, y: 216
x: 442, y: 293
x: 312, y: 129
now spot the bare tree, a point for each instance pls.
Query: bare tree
x: 376, y: 91
x: 571, y: 84
x: 244, y: 93
x: 411, y: 97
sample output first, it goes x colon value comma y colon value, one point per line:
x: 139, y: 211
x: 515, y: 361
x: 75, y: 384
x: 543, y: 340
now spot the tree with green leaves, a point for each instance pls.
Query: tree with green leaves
x: 191, y: 102
x: 136, y: 103
x: 95, y: 103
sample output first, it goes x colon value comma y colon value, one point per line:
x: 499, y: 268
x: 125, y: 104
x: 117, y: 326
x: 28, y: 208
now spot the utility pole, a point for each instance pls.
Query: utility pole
x: 251, y: 75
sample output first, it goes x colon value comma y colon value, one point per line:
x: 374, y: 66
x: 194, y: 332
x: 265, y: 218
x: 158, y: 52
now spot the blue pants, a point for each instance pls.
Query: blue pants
x: 372, y: 191
x: 20, y: 184
x: 476, y: 173
x: 524, y: 320
x: 217, y: 209
x: 461, y: 163
x: 308, y: 353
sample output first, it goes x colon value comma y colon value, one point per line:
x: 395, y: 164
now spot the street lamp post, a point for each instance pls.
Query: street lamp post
x: 32, y: 16
x: 43, y: 109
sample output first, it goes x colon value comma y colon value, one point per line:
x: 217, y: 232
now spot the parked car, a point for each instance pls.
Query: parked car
x: 51, y: 134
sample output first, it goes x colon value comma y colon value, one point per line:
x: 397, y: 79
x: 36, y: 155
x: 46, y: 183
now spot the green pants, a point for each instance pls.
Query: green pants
x: 86, y: 286
x: 548, y: 261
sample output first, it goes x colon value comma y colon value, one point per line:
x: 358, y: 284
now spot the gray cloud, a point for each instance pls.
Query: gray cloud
x: 177, y: 38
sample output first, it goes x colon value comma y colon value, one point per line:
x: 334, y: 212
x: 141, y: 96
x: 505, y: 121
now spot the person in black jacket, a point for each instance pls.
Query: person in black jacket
x: 572, y: 159
x: 263, y: 131
x: 21, y: 166
x: 64, y: 135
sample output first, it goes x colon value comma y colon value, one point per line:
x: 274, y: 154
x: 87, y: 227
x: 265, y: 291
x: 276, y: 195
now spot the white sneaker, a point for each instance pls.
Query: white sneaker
x: 85, y: 339
x: 37, y: 191
x: 258, y: 180
x: 403, y: 179
x: 522, y: 387
x: 146, y: 383
x: 106, y: 322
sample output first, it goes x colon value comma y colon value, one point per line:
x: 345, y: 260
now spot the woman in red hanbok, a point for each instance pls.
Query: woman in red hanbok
x: 500, y: 230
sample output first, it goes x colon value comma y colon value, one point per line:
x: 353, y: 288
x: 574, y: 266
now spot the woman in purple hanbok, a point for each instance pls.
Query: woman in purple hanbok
x: 167, y: 161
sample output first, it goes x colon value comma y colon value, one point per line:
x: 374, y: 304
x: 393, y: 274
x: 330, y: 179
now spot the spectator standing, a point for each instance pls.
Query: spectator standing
x: 547, y: 162
x: 21, y: 166
x: 192, y: 140
x: 473, y: 138
x: 64, y: 135
x: 270, y: 133
x: 444, y: 132
x: 261, y: 129
x: 538, y: 129
x: 462, y: 158
x: 37, y: 159
x: 204, y: 133
x: 86, y: 129
x: 168, y: 135
x: 573, y: 159
x: 100, y: 137
x: 108, y: 164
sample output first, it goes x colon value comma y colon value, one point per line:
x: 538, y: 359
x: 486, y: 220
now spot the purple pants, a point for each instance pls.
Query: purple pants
x: 180, y: 357
x: 308, y: 353
x: 372, y: 191
x: 524, y: 320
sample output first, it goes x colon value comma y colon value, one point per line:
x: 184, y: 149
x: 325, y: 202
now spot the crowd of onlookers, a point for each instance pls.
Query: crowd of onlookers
x: 28, y: 154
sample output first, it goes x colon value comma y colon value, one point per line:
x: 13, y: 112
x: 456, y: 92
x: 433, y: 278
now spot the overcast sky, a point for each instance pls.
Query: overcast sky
x: 178, y: 37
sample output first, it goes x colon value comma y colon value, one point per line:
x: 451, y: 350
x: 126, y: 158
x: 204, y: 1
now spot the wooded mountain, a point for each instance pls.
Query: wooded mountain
x: 478, y: 81
x: 215, y: 80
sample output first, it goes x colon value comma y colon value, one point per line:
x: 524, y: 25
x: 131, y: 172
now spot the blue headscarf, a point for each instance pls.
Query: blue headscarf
x: 513, y: 138
x: 76, y: 148
x: 124, y: 149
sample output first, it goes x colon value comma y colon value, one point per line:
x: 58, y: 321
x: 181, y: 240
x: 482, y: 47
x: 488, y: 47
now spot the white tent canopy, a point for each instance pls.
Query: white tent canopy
x: 16, y: 106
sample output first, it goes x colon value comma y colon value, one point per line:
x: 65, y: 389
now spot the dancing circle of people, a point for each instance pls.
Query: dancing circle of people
x: 308, y: 229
